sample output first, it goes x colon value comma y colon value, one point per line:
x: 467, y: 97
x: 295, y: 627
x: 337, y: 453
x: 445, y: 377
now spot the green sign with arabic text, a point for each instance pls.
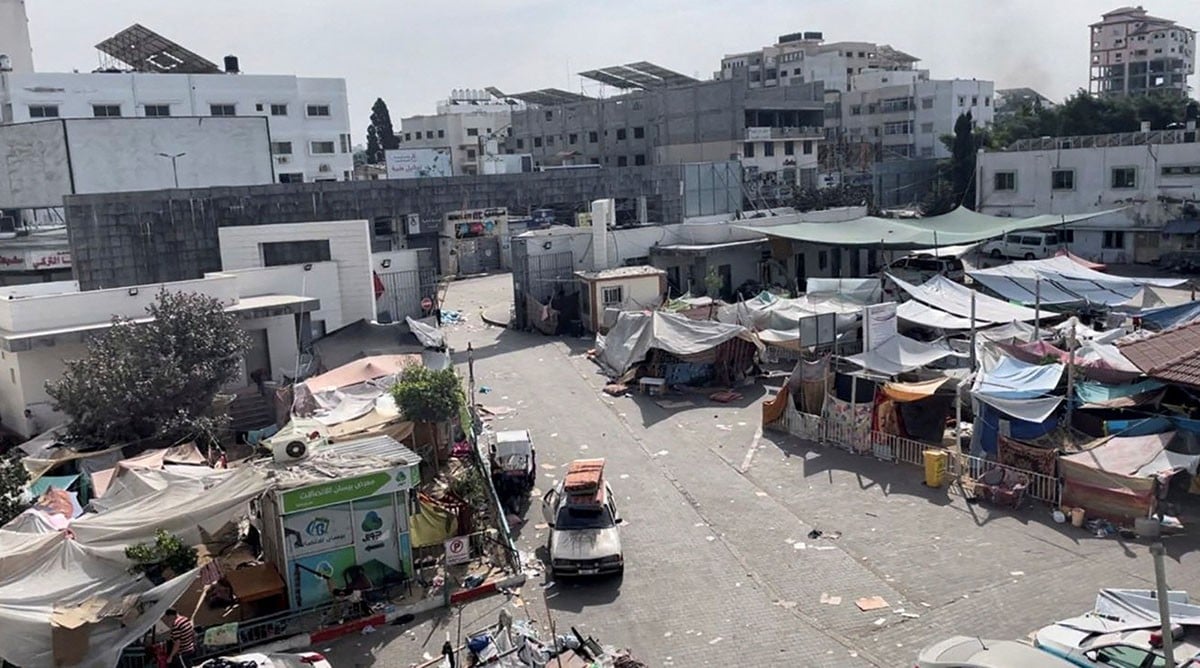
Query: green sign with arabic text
x: 348, y: 489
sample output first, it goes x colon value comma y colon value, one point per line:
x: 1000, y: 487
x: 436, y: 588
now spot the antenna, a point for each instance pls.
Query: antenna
x: 981, y: 643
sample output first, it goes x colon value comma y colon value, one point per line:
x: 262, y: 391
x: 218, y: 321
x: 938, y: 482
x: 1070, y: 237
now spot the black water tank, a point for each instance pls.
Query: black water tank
x: 231, y: 65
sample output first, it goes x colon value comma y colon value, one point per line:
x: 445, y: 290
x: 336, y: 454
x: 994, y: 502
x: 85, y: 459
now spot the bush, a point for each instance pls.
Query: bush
x: 168, y: 554
x: 425, y: 395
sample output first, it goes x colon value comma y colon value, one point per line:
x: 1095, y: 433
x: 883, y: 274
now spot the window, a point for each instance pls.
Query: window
x: 441, y: 134
x: 418, y: 134
x: 808, y: 147
x: 1124, y: 177
x: 898, y: 128
x: 291, y: 177
x: 1181, y: 170
x: 157, y: 109
x: 927, y: 128
x: 321, y: 147
x: 279, y: 110
x: 1123, y: 656
x: 470, y: 154
x: 1113, y: 239
x: 639, y: 133
x: 612, y: 295
x: 639, y: 159
x: 974, y: 100
x: 622, y: 161
x: 1068, y: 236
x: 317, y: 110
x: 789, y: 148
x: 1062, y: 179
x: 345, y: 143
x: 594, y: 161
x: 106, y: 110
x: 520, y: 143
x: 407, y: 136
x: 856, y: 110
x: 987, y: 101
x: 962, y: 101
x: 472, y: 132
x: 279, y: 253
x: 822, y: 259
x: 748, y: 150
x: 281, y: 148
x: 768, y: 149
x: 537, y: 142
x: 1004, y: 181
x: 43, y: 111
x: 1031, y: 241
x: 621, y: 134
x: 222, y: 110
x: 549, y: 115
x: 927, y: 103
x: 549, y: 140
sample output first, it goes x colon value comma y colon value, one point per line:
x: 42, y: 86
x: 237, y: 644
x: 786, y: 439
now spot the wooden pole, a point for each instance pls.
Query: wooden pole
x: 1037, y: 309
x: 973, y: 332
x: 1071, y: 375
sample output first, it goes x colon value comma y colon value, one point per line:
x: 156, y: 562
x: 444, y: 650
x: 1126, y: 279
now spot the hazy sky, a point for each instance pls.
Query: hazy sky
x: 412, y: 52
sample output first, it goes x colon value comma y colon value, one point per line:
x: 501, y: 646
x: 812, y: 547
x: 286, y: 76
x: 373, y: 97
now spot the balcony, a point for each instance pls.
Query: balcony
x: 767, y: 134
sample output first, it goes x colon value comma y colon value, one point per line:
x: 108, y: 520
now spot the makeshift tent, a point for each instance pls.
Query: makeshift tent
x: 362, y: 370
x: 860, y: 290
x: 945, y: 295
x: 1167, y: 317
x: 635, y: 334
x: 1115, y: 479
x: 1062, y: 252
x: 913, y: 391
x: 915, y: 312
x: 1019, y: 389
x: 780, y: 316
x: 960, y: 226
x: 1101, y: 395
x: 1060, y: 280
x: 899, y: 354
x: 1154, y: 297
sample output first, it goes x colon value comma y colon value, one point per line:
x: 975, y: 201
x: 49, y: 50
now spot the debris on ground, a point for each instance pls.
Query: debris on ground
x: 616, y: 389
x: 669, y: 404
x: 869, y: 603
x: 725, y: 396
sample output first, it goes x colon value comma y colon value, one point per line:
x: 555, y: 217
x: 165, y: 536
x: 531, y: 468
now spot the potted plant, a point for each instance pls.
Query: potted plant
x: 163, y: 559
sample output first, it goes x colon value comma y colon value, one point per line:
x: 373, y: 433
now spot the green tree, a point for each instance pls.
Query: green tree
x: 154, y: 379
x: 425, y: 395
x: 13, y: 478
x: 816, y: 199
x: 1086, y: 114
x: 383, y: 132
x: 962, y: 161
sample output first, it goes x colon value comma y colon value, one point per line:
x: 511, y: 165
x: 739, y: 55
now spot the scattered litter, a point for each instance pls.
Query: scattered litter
x: 669, y: 404
x: 623, y: 476
x: 924, y: 604
x: 787, y: 605
x: 715, y: 640
x: 583, y: 447
x: 554, y: 435
x: 799, y: 546
x: 1016, y: 573
x: 698, y: 524
x: 724, y: 396
x: 824, y: 547
x: 741, y: 424
x: 668, y: 634
x: 710, y: 538
x: 724, y: 427
x: 910, y: 615
x: 549, y: 466
x: 814, y: 534
x: 484, y: 389
x: 871, y: 515
x: 368, y: 630
x: 541, y: 526
x: 495, y: 410
x: 660, y: 453
x: 427, y: 657
x: 869, y: 603
x: 616, y: 389
x: 549, y: 475
x: 830, y: 600
x: 880, y: 621
x: 832, y: 535
x: 452, y: 317
x: 760, y: 494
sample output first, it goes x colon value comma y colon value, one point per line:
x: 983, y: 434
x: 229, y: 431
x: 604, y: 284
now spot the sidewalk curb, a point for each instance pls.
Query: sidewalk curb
x: 327, y: 634
x: 493, y: 320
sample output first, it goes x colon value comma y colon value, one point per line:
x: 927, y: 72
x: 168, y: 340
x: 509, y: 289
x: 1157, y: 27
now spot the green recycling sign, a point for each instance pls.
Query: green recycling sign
x: 347, y: 489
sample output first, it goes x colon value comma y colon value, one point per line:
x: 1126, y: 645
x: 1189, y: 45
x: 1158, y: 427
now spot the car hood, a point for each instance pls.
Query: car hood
x: 585, y: 544
x: 1060, y: 638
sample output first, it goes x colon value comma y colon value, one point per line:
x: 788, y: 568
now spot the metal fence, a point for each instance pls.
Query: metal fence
x: 539, y: 277
x: 893, y: 448
x: 403, y: 292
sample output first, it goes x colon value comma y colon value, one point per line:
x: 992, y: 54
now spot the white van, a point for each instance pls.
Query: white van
x: 1031, y: 245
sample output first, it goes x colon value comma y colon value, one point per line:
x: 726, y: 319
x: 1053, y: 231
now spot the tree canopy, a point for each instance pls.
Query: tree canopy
x: 154, y: 379
x: 425, y: 395
x: 381, y: 136
x: 13, y: 477
x: 1086, y: 114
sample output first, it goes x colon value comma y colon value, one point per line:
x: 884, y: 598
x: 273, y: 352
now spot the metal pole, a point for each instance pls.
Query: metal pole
x: 1037, y: 309
x: 175, y: 169
x: 1071, y: 375
x: 1164, y: 605
x: 973, y: 357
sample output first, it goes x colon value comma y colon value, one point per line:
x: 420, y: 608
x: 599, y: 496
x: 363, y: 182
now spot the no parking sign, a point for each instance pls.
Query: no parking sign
x: 458, y: 550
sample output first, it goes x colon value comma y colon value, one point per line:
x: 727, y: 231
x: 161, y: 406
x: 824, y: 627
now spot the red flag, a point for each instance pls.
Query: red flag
x: 378, y: 285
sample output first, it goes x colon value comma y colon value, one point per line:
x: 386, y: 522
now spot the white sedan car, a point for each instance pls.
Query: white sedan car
x: 1136, y: 648
x: 964, y: 652
x: 300, y: 660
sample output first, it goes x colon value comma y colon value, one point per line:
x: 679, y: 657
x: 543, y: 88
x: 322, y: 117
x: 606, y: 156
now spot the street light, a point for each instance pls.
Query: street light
x: 174, y: 167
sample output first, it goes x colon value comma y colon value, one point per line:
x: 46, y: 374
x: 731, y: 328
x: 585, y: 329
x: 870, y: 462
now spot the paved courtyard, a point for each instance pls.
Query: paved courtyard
x: 720, y: 568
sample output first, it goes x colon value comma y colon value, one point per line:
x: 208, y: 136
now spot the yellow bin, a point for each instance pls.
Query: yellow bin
x: 935, y: 467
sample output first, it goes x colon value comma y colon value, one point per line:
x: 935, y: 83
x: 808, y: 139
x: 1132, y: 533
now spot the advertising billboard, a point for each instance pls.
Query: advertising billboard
x: 416, y: 163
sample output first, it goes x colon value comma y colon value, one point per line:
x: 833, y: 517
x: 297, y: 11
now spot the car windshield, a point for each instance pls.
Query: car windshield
x: 573, y: 518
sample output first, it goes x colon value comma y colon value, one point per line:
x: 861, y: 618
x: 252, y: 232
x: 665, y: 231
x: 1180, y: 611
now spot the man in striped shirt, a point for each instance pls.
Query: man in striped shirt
x: 182, y: 640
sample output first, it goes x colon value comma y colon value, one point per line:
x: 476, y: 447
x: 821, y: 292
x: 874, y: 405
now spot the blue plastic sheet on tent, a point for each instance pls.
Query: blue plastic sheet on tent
x: 39, y: 486
x: 1139, y: 427
x: 987, y: 428
x: 1167, y: 317
x: 1014, y: 379
x: 1090, y: 392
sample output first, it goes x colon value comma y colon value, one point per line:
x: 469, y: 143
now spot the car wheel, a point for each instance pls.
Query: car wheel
x: 1029, y: 256
x: 996, y: 254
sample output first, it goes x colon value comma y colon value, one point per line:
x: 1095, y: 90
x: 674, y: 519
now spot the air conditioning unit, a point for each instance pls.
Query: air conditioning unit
x: 283, y: 159
x: 291, y: 450
x: 297, y: 441
x: 325, y: 168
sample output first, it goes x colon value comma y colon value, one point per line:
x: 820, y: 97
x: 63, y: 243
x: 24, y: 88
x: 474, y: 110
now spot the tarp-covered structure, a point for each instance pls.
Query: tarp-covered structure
x: 355, y: 396
x: 943, y: 304
x: 900, y: 354
x: 79, y: 576
x: 776, y: 320
x: 1060, y: 280
x: 1115, y: 479
x: 635, y: 334
x: 960, y: 226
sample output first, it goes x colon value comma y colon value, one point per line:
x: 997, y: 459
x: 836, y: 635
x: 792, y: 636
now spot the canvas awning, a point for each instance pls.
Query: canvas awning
x: 905, y: 392
x: 1062, y: 252
x: 943, y: 294
x: 1014, y: 379
x: 960, y: 226
x: 636, y: 333
x: 919, y: 314
x: 362, y: 370
x: 899, y: 354
x: 1103, y: 395
x: 1061, y: 280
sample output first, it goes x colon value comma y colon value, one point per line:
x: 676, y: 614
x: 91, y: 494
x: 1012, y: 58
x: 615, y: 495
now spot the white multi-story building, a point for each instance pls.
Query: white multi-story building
x: 904, y: 113
x: 16, y: 52
x: 464, y: 123
x: 1134, y: 53
x: 308, y: 118
x: 1150, y: 176
x: 805, y: 57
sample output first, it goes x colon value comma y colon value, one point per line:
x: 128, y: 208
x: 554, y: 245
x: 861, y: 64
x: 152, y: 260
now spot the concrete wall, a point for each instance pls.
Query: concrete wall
x: 34, y: 167
x: 14, y: 35
x: 282, y: 343
x: 321, y: 282
x: 350, y: 250
x: 137, y: 238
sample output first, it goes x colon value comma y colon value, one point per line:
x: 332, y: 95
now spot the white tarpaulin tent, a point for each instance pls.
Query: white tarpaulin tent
x: 41, y: 569
x: 943, y: 294
x: 899, y: 354
x: 636, y: 333
x: 1061, y: 280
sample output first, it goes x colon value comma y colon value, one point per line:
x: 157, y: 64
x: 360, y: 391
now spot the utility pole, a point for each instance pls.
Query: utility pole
x: 1164, y: 605
x: 173, y: 157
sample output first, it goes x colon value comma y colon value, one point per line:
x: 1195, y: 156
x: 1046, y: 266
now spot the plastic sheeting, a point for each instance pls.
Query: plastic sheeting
x: 905, y: 392
x: 919, y: 314
x: 636, y: 333
x: 862, y: 290
x: 1014, y: 379
x: 1169, y: 317
x: 1061, y: 280
x: 899, y: 354
x: 1093, y: 394
x: 943, y: 294
x: 427, y: 332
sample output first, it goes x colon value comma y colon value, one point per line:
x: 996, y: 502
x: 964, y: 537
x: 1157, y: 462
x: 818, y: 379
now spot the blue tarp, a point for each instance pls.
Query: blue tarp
x: 1139, y: 426
x: 987, y: 430
x: 39, y: 486
x: 1090, y: 392
x: 1014, y: 379
x: 1167, y: 317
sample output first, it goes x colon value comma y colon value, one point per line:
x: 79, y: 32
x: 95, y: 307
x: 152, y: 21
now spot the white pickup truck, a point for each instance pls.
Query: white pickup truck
x: 584, y: 534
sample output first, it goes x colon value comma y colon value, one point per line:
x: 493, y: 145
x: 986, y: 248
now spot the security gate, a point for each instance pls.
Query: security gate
x: 403, y: 292
x: 539, y: 277
x: 478, y: 255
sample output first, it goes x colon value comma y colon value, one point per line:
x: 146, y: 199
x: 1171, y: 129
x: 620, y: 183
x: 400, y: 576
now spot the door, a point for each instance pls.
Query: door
x: 549, y: 504
x: 725, y: 271
x: 258, y: 355
x: 801, y: 274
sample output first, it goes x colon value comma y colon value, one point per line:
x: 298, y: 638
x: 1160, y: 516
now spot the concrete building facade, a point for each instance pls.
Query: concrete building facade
x: 16, y: 51
x: 1151, y: 177
x: 804, y: 57
x: 1134, y: 53
x: 464, y: 123
x: 308, y: 117
x: 775, y: 131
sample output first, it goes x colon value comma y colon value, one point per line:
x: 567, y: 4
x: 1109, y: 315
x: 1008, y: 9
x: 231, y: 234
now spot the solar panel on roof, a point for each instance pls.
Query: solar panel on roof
x: 144, y: 50
x: 608, y: 79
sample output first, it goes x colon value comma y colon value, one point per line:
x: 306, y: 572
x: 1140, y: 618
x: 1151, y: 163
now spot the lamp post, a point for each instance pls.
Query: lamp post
x: 173, y: 157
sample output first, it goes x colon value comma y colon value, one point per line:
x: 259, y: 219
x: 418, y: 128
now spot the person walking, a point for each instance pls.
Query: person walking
x: 182, y: 643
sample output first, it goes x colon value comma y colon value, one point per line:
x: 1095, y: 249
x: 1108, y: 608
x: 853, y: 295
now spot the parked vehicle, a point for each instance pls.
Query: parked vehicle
x: 583, y: 520
x: 1137, y: 648
x: 964, y: 652
x: 1030, y: 245
x: 920, y: 268
x: 301, y: 660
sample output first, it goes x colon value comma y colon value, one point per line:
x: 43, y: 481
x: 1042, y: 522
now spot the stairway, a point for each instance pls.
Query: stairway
x: 250, y: 411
